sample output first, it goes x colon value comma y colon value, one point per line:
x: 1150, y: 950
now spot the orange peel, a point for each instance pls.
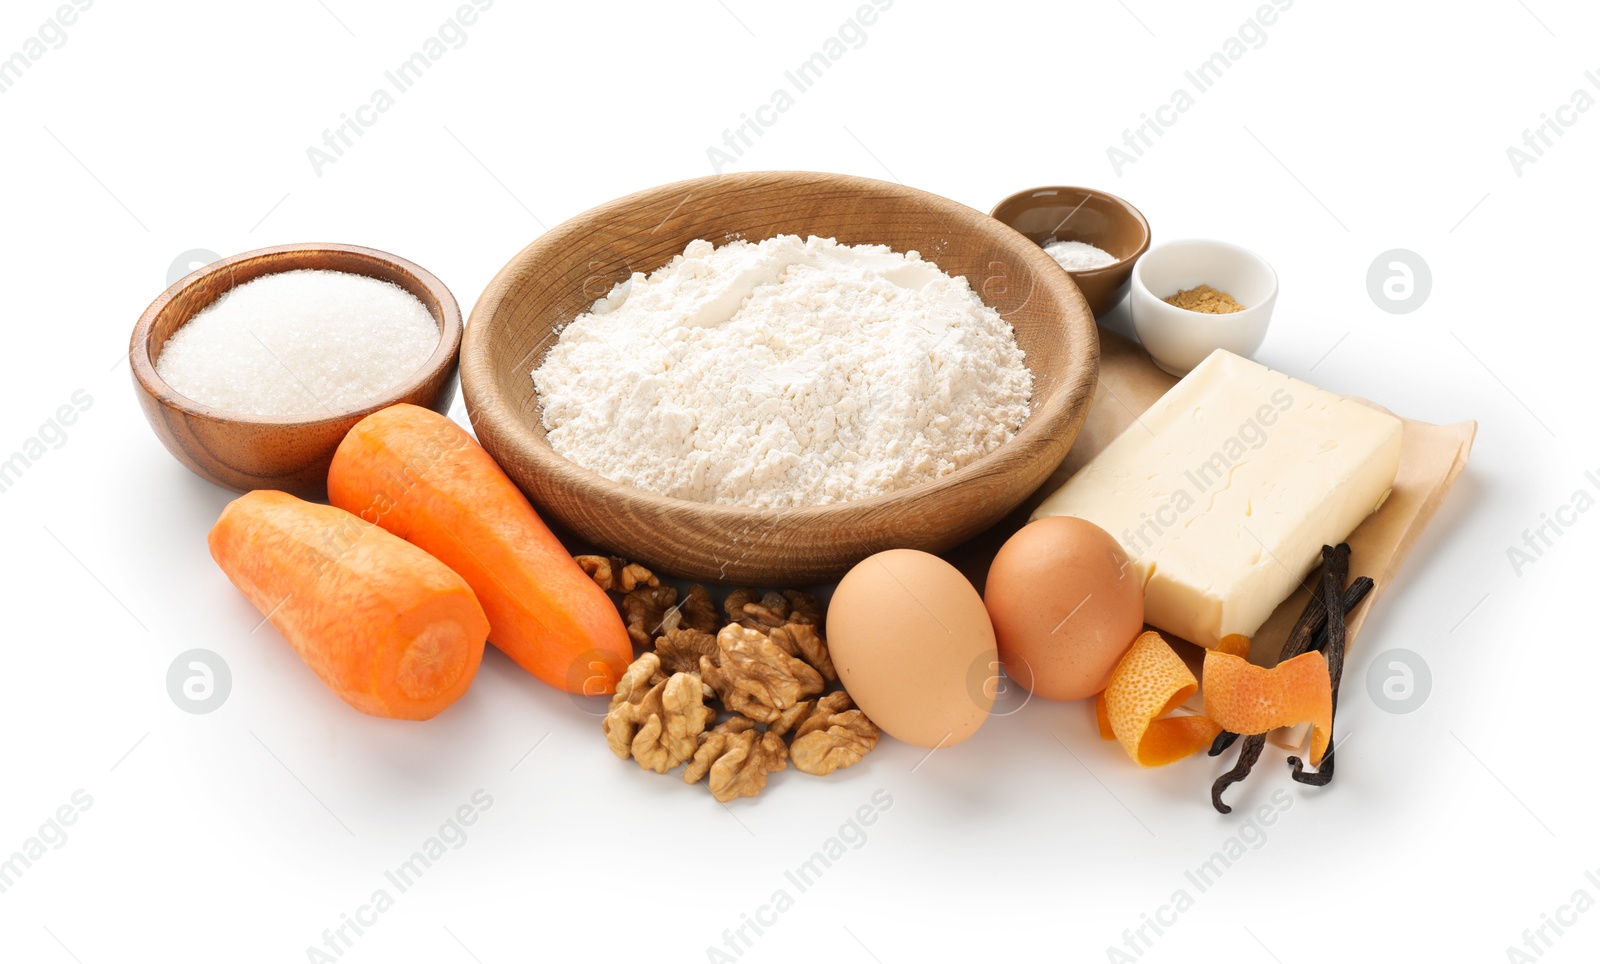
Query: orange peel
x: 1150, y: 682
x: 1102, y: 718
x: 1235, y: 645
x: 1248, y: 699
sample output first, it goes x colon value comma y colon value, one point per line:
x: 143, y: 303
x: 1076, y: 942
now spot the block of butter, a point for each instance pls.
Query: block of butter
x: 1225, y: 491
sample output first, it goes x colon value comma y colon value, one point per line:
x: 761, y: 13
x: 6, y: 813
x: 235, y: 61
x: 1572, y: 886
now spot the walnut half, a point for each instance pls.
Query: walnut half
x: 658, y: 725
x: 680, y: 650
x: 645, y: 611
x: 738, y: 758
x: 803, y: 640
x: 835, y: 735
x: 610, y: 572
x: 754, y: 610
x: 755, y: 677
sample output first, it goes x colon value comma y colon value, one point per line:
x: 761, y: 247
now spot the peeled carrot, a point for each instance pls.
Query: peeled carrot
x: 389, y: 628
x: 419, y: 475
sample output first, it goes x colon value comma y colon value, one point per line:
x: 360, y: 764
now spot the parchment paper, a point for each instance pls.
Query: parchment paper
x: 1431, y: 458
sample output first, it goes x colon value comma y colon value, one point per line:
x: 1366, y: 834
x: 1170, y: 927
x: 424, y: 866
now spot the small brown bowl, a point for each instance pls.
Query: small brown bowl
x: 245, y: 452
x: 1104, y: 220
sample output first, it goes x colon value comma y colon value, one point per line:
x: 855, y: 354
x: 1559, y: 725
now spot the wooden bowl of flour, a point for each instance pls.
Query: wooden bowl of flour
x: 560, y: 275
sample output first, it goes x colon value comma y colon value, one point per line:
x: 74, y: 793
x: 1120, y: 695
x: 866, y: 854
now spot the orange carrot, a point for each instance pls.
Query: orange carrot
x: 419, y: 475
x: 389, y: 628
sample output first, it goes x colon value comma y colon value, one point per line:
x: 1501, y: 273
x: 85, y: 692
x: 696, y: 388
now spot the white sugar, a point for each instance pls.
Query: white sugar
x: 1079, y: 255
x: 300, y: 343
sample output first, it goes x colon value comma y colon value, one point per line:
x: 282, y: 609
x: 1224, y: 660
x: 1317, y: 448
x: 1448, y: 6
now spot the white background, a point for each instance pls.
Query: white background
x: 242, y: 834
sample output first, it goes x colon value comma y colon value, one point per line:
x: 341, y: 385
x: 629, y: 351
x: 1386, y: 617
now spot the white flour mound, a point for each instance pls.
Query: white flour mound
x: 783, y: 374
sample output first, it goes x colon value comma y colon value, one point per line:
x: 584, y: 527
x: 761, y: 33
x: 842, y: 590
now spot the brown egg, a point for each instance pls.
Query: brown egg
x: 913, y: 646
x: 1065, y: 604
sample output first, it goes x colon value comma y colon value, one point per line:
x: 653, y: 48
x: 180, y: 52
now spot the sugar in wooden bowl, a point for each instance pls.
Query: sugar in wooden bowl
x: 252, y: 369
x: 300, y: 343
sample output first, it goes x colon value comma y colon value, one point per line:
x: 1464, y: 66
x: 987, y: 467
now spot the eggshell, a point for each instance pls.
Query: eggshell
x: 913, y: 646
x: 1065, y: 605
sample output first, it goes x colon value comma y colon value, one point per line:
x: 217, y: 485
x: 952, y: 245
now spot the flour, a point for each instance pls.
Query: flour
x: 1079, y: 255
x: 783, y: 374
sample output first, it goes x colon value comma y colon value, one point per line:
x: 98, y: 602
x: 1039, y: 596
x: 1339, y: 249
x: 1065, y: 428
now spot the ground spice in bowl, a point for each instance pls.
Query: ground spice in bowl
x: 1205, y: 299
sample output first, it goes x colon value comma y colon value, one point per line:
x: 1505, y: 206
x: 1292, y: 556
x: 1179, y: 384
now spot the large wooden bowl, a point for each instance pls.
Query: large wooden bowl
x: 244, y: 452
x: 561, y: 274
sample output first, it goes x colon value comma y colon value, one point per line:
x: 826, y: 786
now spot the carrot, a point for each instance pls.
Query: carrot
x: 419, y: 475
x: 387, y: 627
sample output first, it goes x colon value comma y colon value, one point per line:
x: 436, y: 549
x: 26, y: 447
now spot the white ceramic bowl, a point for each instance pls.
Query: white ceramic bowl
x: 1178, y: 339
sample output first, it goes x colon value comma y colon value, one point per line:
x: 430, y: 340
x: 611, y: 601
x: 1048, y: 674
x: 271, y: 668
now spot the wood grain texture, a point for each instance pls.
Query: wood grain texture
x: 561, y: 274
x: 243, y: 452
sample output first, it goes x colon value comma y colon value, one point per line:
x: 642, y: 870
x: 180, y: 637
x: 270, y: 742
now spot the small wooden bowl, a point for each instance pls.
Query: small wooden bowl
x: 1104, y: 220
x: 561, y: 274
x: 245, y: 452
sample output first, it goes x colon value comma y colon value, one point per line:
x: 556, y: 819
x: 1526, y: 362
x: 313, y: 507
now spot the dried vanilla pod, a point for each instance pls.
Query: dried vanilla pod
x: 645, y: 609
x: 1354, y: 595
x: 1249, y: 753
x: 658, y: 726
x: 1220, y: 745
x: 753, y: 676
x: 1338, y: 563
x: 835, y: 735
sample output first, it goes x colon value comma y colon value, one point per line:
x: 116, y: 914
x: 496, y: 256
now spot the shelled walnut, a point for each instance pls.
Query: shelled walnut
x: 792, y: 717
x: 645, y: 611
x: 834, y: 735
x: 653, y: 611
x: 737, y: 758
x: 769, y: 610
x: 657, y: 724
x: 698, y: 612
x: 613, y: 573
x: 766, y: 663
x: 753, y: 676
x: 680, y: 649
x: 803, y: 640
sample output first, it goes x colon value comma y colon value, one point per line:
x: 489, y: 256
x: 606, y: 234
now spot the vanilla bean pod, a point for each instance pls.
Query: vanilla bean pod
x: 1333, y: 648
x: 1221, y: 743
x: 1249, y: 753
x: 1353, y: 598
